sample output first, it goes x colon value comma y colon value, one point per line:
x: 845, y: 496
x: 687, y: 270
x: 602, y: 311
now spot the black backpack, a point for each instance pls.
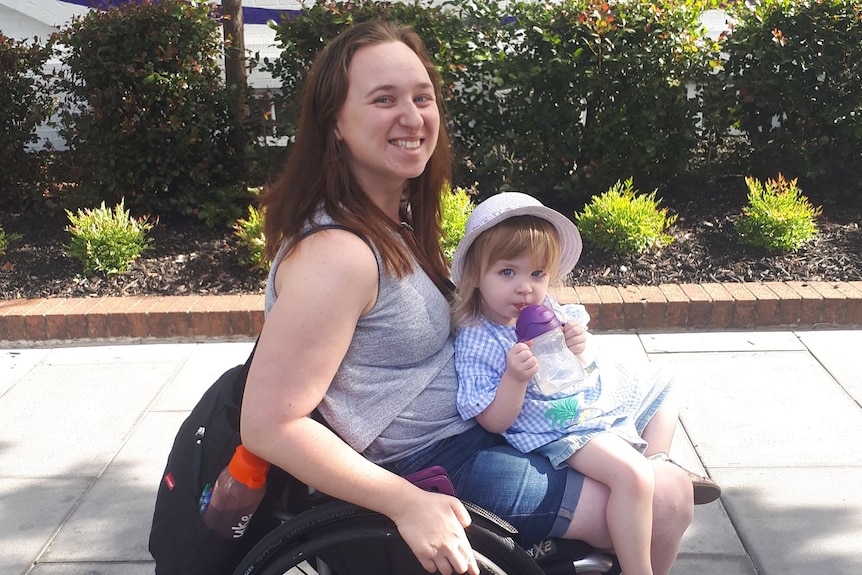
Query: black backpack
x: 179, y: 541
x: 205, y: 442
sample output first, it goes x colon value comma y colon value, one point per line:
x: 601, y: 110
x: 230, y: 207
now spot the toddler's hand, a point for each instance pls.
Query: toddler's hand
x: 521, y: 363
x: 576, y: 337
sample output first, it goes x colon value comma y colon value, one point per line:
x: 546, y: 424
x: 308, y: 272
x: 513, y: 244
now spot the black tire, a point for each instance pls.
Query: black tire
x: 350, y: 540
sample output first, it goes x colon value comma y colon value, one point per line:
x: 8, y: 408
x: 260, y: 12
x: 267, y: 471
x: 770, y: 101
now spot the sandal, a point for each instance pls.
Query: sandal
x: 705, y: 489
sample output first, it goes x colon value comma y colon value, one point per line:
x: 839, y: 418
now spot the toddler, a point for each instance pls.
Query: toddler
x: 607, y: 426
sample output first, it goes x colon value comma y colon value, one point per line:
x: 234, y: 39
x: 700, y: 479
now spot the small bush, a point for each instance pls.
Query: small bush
x: 6, y: 239
x: 249, y: 231
x: 777, y: 218
x: 597, y: 89
x: 106, y: 240
x: 456, y: 208
x: 622, y: 221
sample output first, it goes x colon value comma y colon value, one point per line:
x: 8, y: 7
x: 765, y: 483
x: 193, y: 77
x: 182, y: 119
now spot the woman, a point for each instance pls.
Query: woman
x: 358, y: 323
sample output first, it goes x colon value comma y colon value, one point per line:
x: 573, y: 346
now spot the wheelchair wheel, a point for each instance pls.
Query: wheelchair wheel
x: 338, y: 538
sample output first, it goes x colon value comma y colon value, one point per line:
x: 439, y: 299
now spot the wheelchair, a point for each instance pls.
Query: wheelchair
x: 318, y: 535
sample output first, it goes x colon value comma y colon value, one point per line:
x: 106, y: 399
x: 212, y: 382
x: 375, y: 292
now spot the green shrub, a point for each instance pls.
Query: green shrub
x: 597, y: 89
x: 777, y: 218
x: 6, y: 239
x: 148, y: 117
x: 622, y: 221
x: 106, y: 240
x: 25, y: 102
x: 456, y: 208
x: 223, y: 207
x: 249, y: 231
x: 551, y: 98
x: 796, y: 70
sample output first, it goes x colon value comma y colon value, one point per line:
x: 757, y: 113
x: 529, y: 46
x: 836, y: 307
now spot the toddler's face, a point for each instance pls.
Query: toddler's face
x: 508, y: 286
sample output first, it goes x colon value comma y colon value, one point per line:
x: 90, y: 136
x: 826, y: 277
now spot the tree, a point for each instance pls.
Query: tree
x: 234, y: 56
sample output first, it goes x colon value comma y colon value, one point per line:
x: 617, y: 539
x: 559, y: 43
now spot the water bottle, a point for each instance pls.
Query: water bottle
x: 237, y: 493
x: 559, y: 369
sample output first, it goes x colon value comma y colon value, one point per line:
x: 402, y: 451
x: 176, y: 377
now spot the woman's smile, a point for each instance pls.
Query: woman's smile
x: 407, y: 144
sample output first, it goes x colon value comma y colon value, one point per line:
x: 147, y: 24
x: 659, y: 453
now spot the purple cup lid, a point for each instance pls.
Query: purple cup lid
x: 534, y: 320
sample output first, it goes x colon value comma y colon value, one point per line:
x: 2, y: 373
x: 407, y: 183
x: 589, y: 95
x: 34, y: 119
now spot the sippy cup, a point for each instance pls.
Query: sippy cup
x: 559, y: 369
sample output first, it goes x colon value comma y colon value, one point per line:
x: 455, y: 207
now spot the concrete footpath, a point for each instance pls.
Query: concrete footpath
x: 773, y: 416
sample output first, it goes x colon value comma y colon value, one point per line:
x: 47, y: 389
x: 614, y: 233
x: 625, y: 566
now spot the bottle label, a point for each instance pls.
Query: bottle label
x: 229, y: 523
x: 239, y: 529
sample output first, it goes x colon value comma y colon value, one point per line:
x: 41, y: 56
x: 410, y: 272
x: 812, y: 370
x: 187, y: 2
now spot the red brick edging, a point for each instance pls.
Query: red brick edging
x: 714, y: 306
x: 648, y: 308
x: 137, y: 317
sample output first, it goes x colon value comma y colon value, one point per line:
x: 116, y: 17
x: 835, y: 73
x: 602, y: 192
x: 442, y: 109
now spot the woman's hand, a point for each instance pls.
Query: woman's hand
x: 433, y: 527
x: 576, y: 337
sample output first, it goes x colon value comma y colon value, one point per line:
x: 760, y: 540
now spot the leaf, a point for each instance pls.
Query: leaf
x: 562, y: 412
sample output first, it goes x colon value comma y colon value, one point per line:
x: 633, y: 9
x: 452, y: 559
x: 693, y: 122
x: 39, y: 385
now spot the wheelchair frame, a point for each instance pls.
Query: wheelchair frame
x: 333, y: 537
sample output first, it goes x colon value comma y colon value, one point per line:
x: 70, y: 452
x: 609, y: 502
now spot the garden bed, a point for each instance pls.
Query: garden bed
x: 188, y: 258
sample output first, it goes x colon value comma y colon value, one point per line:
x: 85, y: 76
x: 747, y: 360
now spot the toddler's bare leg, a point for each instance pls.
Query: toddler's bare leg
x: 672, y: 511
x: 658, y: 433
x: 610, y: 459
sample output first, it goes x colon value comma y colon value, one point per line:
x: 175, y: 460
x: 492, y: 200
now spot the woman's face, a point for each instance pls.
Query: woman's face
x: 389, y: 121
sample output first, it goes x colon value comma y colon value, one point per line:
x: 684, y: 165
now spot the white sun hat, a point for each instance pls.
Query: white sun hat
x: 507, y: 205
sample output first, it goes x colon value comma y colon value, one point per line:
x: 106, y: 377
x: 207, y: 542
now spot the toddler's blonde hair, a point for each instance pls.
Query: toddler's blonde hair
x: 510, y: 239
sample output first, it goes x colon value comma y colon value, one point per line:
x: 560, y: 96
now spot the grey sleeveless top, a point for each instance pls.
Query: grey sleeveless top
x: 395, y: 390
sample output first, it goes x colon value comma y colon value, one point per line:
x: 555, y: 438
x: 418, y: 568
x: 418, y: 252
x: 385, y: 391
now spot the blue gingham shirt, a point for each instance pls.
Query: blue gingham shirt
x: 480, y: 360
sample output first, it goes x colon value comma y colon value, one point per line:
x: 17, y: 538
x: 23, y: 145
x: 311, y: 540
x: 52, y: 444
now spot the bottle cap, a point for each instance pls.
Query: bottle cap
x: 534, y: 320
x: 248, y: 468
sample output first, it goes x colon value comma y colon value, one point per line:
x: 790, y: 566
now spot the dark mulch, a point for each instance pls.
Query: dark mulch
x: 185, y: 258
x: 188, y: 258
x: 706, y: 249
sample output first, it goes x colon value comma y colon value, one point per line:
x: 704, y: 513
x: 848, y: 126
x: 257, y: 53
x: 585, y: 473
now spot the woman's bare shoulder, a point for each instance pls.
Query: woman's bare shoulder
x: 327, y: 261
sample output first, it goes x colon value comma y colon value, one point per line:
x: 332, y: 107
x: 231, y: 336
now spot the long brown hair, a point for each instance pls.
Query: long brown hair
x: 317, y: 171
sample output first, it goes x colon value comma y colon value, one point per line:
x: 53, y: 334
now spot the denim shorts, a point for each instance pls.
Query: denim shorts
x: 522, y: 488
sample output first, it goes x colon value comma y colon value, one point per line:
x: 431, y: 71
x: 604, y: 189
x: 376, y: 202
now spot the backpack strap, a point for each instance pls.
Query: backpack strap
x: 324, y: 227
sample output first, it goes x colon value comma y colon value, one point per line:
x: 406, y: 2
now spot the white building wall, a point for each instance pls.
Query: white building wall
x: 24, y: 19
x: 16, y: 25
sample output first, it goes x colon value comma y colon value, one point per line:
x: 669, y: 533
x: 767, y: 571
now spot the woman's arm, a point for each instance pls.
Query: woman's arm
x: 324, y: 287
